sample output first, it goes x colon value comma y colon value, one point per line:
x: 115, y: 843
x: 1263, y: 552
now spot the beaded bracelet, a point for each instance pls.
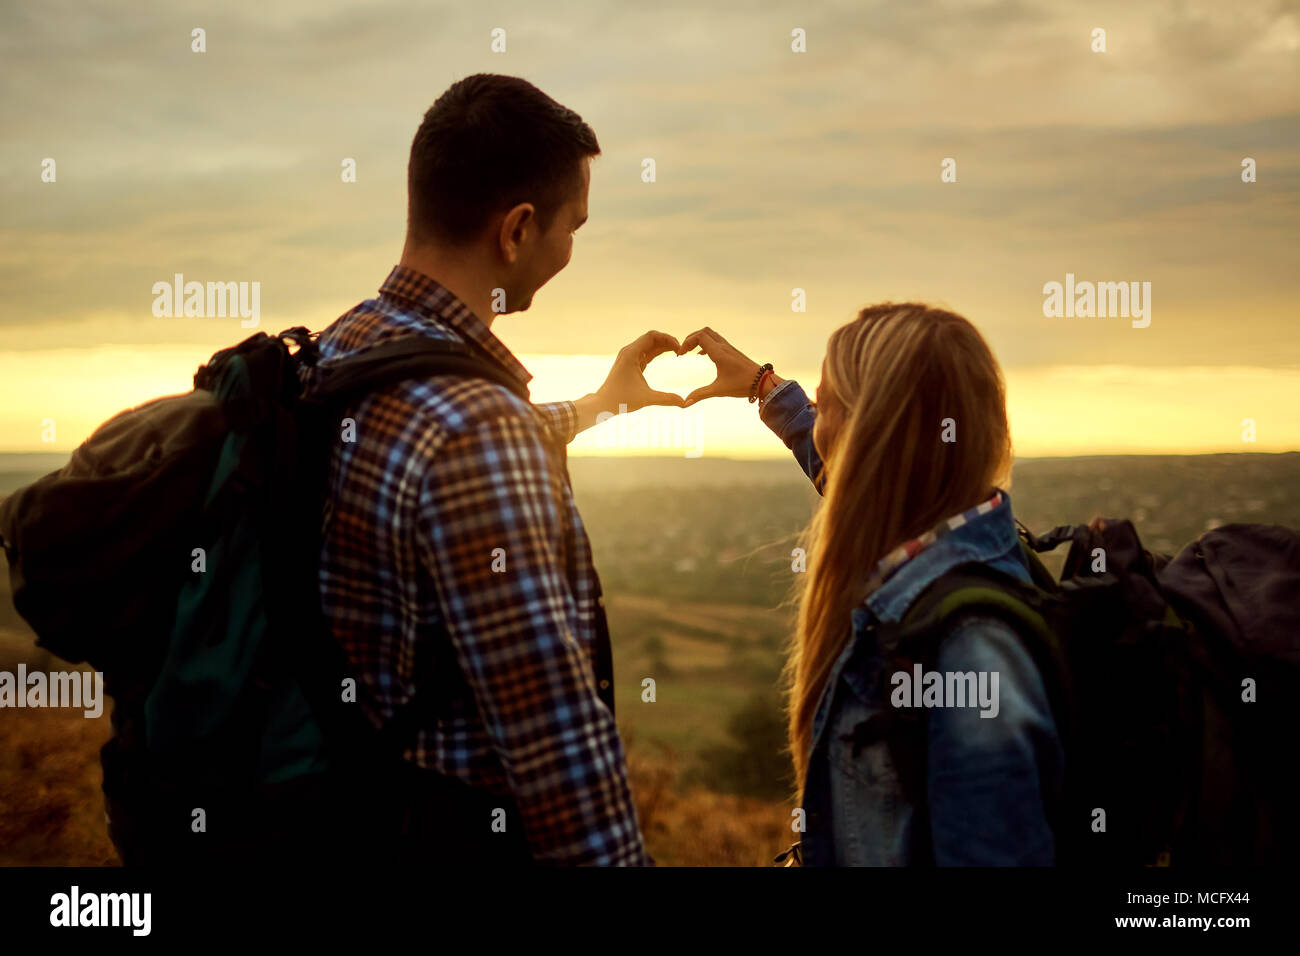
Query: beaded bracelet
x: 763, y: 369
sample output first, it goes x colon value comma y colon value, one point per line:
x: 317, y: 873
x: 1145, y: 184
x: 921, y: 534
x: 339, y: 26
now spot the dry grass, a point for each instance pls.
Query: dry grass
x: 52, y: 808
x: 696, y: 827
x: 51, y: 804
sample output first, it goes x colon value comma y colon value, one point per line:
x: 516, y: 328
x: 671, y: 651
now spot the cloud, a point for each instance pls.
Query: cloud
x: 776, y: 169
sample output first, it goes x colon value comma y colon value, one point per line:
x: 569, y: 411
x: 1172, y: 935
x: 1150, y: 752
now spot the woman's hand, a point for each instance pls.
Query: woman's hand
x: 736, y: 371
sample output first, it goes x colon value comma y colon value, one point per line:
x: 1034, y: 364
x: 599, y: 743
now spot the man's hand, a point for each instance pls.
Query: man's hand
x: 736, y: 371
x: 626, y: 384
x: 625, y: 389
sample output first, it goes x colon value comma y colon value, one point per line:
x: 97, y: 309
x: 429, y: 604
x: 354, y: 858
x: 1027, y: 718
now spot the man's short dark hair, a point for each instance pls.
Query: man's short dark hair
x: 487, y: 144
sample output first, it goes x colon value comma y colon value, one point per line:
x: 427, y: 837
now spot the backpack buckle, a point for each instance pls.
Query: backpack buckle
x: 793, y: 856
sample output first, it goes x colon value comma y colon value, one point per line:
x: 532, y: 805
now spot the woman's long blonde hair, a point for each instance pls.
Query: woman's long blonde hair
x: 901, y: 372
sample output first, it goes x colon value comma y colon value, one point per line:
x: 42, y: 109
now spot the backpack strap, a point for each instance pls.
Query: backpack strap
x: 1030, y: 548
x: 316, y: 660
x: 966, y: 589
x: 411, y: 356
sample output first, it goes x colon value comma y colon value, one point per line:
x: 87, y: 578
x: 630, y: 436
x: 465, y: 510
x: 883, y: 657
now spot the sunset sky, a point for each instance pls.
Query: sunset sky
x: 775, y: 170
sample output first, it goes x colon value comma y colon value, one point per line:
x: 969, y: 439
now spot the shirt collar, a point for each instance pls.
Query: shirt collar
x: 431, y: 299
x: 982, y: 533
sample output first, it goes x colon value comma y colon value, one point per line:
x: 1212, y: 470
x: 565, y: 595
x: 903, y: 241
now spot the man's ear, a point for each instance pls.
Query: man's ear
x: 516, y: 228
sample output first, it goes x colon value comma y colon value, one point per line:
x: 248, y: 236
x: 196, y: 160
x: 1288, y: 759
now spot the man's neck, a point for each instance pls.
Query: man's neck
x: 459, y: 274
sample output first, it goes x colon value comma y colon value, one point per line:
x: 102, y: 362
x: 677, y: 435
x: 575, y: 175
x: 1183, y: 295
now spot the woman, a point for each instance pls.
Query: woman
x: 909, y: 432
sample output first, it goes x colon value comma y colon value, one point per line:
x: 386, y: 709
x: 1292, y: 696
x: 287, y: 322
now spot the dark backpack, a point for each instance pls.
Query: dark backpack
x: 178, y: 553
x: 1174, y: 683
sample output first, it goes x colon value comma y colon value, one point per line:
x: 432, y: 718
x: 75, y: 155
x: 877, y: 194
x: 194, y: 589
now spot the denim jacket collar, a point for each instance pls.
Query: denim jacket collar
x: 984, y: 538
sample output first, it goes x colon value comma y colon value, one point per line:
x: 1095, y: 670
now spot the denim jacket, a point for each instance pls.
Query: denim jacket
x: 990, y: 779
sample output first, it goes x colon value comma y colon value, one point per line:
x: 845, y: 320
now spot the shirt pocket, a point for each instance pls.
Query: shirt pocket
x: 868, y: 764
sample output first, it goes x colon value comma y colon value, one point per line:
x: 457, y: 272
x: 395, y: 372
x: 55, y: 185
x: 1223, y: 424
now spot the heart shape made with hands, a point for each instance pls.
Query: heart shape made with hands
x: 679, y: 374
x: 628, y: 387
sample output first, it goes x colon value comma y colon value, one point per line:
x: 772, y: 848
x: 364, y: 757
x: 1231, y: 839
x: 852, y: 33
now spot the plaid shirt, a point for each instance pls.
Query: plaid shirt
x: 451, y: 517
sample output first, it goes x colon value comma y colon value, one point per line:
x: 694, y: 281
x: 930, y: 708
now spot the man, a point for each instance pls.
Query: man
x: 456, y: 572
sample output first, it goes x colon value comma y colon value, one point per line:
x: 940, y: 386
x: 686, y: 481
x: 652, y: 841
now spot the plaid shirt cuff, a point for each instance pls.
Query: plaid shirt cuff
x: 562, y: 417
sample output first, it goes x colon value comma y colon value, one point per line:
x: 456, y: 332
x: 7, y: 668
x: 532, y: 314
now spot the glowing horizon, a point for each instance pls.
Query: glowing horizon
x: 1054, y: 410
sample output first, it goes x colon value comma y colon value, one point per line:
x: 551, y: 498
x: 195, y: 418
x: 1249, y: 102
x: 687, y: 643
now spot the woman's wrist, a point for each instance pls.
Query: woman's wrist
x: 770, y: 381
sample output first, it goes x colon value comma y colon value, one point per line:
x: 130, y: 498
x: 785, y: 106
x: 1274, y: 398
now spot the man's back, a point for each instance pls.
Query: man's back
x: 457, y: 577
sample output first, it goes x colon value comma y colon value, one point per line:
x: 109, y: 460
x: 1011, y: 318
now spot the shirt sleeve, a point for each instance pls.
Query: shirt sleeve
x: 492, y: 537
x: 989, y: 777
x: 790, y: 415
x: 562, y: 417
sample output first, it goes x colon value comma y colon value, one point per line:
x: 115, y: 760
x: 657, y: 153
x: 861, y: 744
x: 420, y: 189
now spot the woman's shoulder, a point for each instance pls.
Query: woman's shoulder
x: 991, y: 648
x: 980, y: 639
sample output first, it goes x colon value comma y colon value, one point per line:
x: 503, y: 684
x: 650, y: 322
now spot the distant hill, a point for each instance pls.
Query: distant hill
x: 723, y: 530
x: 21, y: 468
